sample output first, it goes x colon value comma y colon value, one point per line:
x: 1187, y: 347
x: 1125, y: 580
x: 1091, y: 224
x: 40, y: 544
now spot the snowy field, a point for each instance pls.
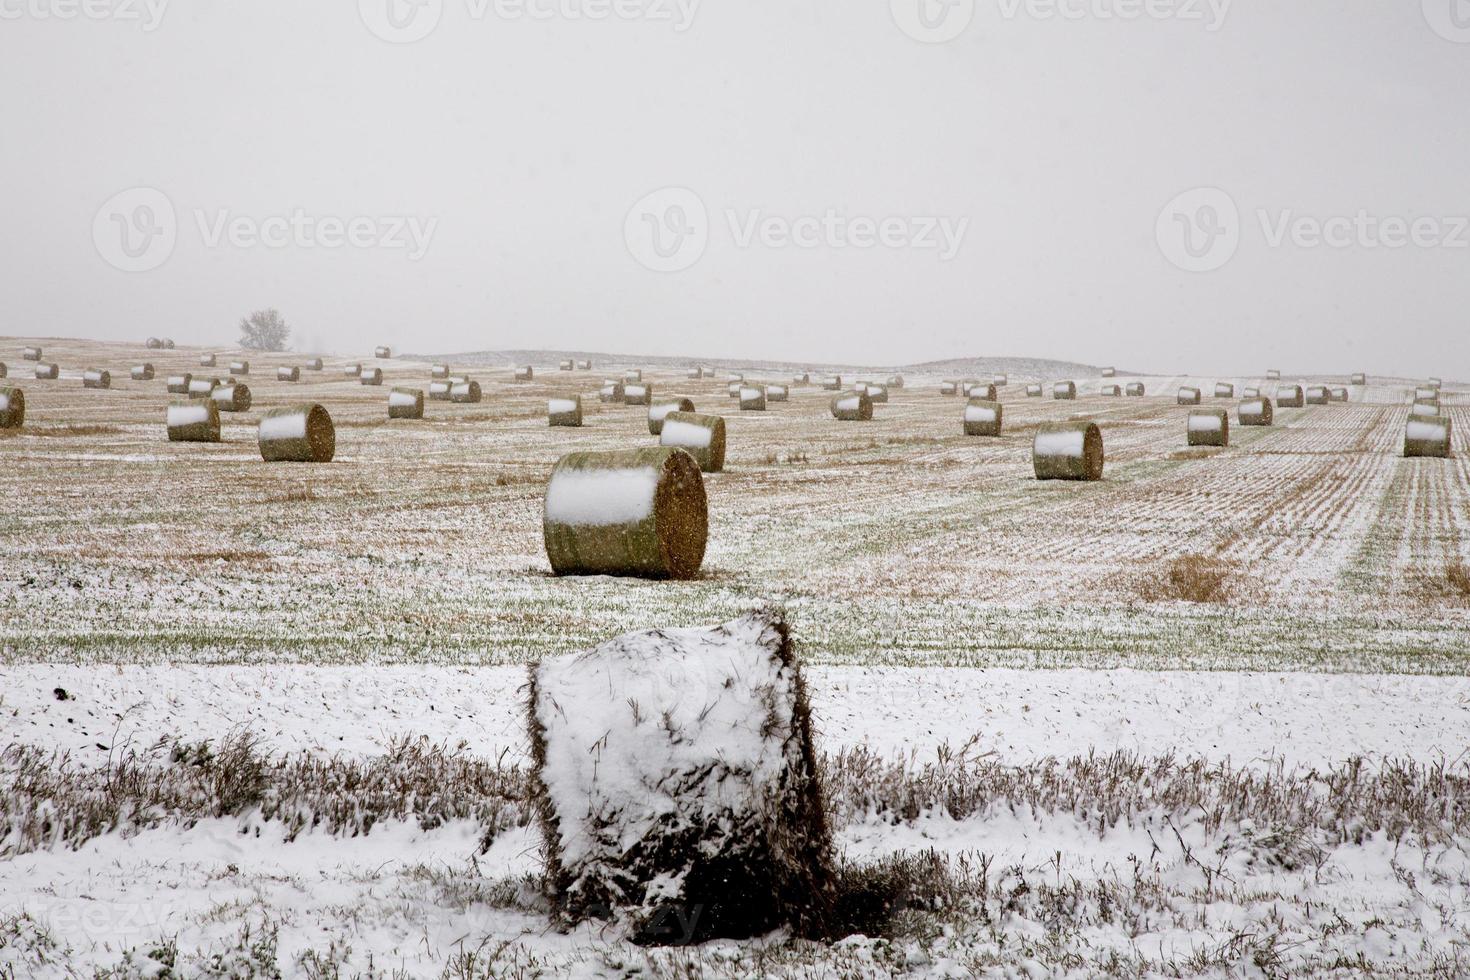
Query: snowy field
x: 1208, y: 716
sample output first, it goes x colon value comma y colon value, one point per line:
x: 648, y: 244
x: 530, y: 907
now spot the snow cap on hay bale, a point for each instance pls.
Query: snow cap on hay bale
x: 297, y: 434
x: 371, y: 376
x: 439, y: 391
x: 1256, y: 411
x: 233, y: 396
x: 96, y: 378
x: 1064, y: 391
x: 565, y: 366
x: 1338, y: 394
x: 852, y: 406
x: 239, y: 368
x: 439, y: 371
x: 526, y: 373
x: 1033, y: 391
x: 632, y: 374
x: 142, y: 372
x: 1224, y: 389
x: 1136, y: 389
x: 638, y: 512
x: 1111, y: 391
x: 1110, y: 372
x: 351, y: 370
x: 695, y: 373
x: 153, y: 343
x: 1188, y: 396
x: 48, y: 372
x: 1068, y: 451
x: 584, y: 365
x: 405, y: 403
x: 660, y: 410
x: 700, y: 814
x: 193, y: 421
x: 1359, y: 379
x: 701, y: 436
x: 752, y: 398
x: 983, y: 390
x: 1427, y: 436
x: 1273, y: 375
x: 611, y: 391
x: 877, y: 394
x: 777, y: 393
x: 1208, y: 427
x: 315, y: 364
x: 832, y: 382
x: 949, y: 387
x: 465, y: 393
x: 1290, y: 396
x: 288, y: 374
x: 383, y: 353
x: 207, y: 360
x: 178, y: 384
x: 202, y: 387
x: 1318, y: 395
x: 982, y: 418
x: 30, y: 354
x: 894, y: 381
x: 638, y: 394
x: 564, y: 411
x: 12, y: 408
x: 1427, y: 392
x: 1427, y: 407
x: 733, y: 388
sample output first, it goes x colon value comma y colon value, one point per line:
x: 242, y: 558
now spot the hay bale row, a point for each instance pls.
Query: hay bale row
x: 12, y: 408
x: 207, y: 360
x: 1064, y: 391
x: 233, y: 396
x: 852, y: 406
x: 1188, y: 396
x: 983, y: 418
x: 637, y: 512
x: 1136, y: 389
x: 202, y: 387
x: 192, y: 421
x: 297, y: 434
x: 1427, y: 436
x: 526, y: 373
x: 564, y: 411
x: 752, y: 398
x: 465, y: 393
x: 288, y: 374
x: 1256, y: 412
x: 383, y: 353
x: 96, y: 378
x: 1208, y: 427
x: 405, y: 403
x: 701, y: 436
x: 637, y: 394
x: 48, y: 372
x: 1224, y: 389
x: 1070, y: 450
x: 658, y: 411
x: 1290, y: 396
x: 611, y: 392
x: 142, y: 372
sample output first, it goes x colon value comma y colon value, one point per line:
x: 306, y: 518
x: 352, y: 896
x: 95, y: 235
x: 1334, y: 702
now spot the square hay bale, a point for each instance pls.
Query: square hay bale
x: 832, y: 382
x: 526, y: 373
x: 1208, y: 427
x: 439, y: 390
x: 1224, y: 389
x: 142, y: 372
x: 1290, y: 396
x: 638, y: 394
x: 1427, y: 436
x: 1111, y: 391
x: 777, y: 393
x: 202, y: 387
x: 383, y: 353
x: 405, y: 403
x: 207, y: 360
x: 371, y: 376
x: 1064, y: 391
x: 47, y: 372
x: 564, y: 411
x: 584, y: 365
x: 239, y: 368
x: 701, y: 436
x: 660, y: 410
x: 96, y: 378
x: 1318, y: 395
x: 1136, y: 389
x: 752, y: 398
x: 611, y: 392
x: 1188, y: 396
x: 1033, y: 391
x: 178, y: 384
x: 193, y: 421
x: 853, y: 406
x: 1256, y: 411
x: 297, y: 434
x: 686, y: 807
x: 465, y: 393
x: 565, y: 366
x: 12, y: 408
x: 983, y: 418
x: 233, y: 396
x: 1068, y: 451
x: 30, y: 354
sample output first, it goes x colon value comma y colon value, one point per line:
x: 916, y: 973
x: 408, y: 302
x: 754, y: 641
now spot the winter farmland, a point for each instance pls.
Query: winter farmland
x: 1205, y: 715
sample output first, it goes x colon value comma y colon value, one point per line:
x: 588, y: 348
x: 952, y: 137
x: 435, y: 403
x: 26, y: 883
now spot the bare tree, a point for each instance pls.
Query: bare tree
x: 264, y: 330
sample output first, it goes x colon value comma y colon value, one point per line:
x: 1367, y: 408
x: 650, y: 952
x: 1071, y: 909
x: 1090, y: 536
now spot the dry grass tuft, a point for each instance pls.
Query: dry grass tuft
x: 295, y: 495
x: 1457, y: 577
x: 1190, y: 578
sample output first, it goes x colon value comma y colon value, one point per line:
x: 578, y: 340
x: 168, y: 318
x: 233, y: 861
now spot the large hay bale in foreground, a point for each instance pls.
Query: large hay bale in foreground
x: 564, y: 411
x: 439, y: 391
x: 96, y: 378
x: 699, y: 815
x: 207, y: 360
x: 832, y: 382
x: 288, y: 374
x: 852, y: 406
x: 232, y: 397
x: 1256, y: 411
x: 142, y: 372
x: 701, y: 436
x: 193, y: 421
x: 752, y: 398
x: 777, y: 393
x: 30, y: 354
x: 12, y: 408
x: 48, y: 372
x: 638, y: 512
x: 202, y: 387
x: 983, y: 418
x: 1426, y: 407
x: 1136, y: 389
x: 1290, y: 396
x: 1188, y: 396
x: 1318, y: 395
x: 1208, y: 427
x: 240, y: 369
x: 611, y: 392
x: 297, y: 434
x: 405, y: 403
x: 315, y: 364
x: 660, y: 410
x: 1034, y: 391
x: 465, y: 393
x: 526, y: 373
x: 1068, y: 451
x: 178, y: 384
x: 1224, y: 389
x: 1427, y: 436
x: 383, y: 353
x: 1064, y: 391
x: 1359, y: 379
x: 638, y: 394
x: 371, y: 376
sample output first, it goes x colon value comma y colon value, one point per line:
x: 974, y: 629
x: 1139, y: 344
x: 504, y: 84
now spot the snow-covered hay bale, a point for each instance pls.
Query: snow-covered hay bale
x: 239, y: 368
x: 777, y: 393
x: 983, y: 418
x: 1273, y: 375
x: 1426, y: 407
x: 638, y: 394
x: 207, y: 360
x: 351, y: 370
x: 564, y: 411
x: 700, y: 815
x: 465, y: 393
x: 48, y: 372
x: 526, y: 373
x: 694, y: 373
x: 584, y: 365
x: 291, y: 374
x: 168, y: 343
x: 405, y: 403
x: 983, y: 390
x: 1290, y: 396
x: 193, y: 421
x: 894, y: 381
x: 1359, y: 379
x: 701, y: 436
x: 733, y: 389
x: 1068, y: 451
x: 1427, y: 392
x: 610, y: 392
x: 877, y: 394
x: 1136, y: 389
x: 233, y: 396
x: 202, y: 387
x: 565, y: 366
x: 1188, y: 396
x: 1251, y: 393
x: 639, y: 512
x: 632, y: 375
x: 1111, y: 391
x: 1064, y: 391
x: 142, y: 372
x: 315, y: 364
x: 1110, y: 372
x: 297, y: 434
x: 153, y: 343
x: 1256, y: 411
x: 439, y: 391
x: 1427, y: 436
x: 1000, y: 380
x: 1034, y: 391
x: 383, y: 353
x: 12, y: 408
x: 371, y: 376
x: 852, y: 406
x: 1337, y: 394
x: 1224, y: 389
x: 1318, y: 395
x: 4, y: 371
x: 1437, y: 382
x: 1208, y: 427
x: 832, y: 382
x: 96, y: 378
x: 439, y: 371
x: 949, y: 388
x: 752, y: 398
x: 736, y: 376
x: 660, y: 410
x: 801, y: 379
x: 178, y: 384
x: 30, y: 354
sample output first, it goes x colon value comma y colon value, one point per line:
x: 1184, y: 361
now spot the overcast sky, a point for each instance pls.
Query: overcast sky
x: 1135, y: 183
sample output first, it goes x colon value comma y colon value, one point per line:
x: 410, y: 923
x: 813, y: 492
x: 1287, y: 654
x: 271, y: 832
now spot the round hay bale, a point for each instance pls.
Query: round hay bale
x: 1256, y: 411
x: 315, y: 364
x: 1437, y: 382
x: 1033, y: 391
x: 611, y: 392
x: 1000, y: 380
x: 658, y: 411
x: 465, y: 393
x: 633, y: 375
x: 753, y: 398
x: 1111, y: 391
x: 1273, y: 375
x: 1136, y: 389
x: 405, y: 403
x: 564, y: 411
x: 202, y: 387
x: 894, y: 381
x: 584, y: 365
x: 1337, y: 394
x: 1427, y: 392
x: 178, y: 384
x: 193, y: 421
x: 1318, y: 395
x: 439, y: 371
x: 736, y: 377
x: 948, y: 388
x: 207, y: 360
x: 30, y: 354
x: 4, y: 371
x: 154, y: 344
x: 351, y: 370
x: 833, y: 382
x: 1224, y: 389
x: 297, y: 434
x: 1188, y: 396
x: 695, y: 373
x: 142, y: 372
x: 803, y: 378
x: 565, y: 366
x: 985, y: 391
x: 1251, y: 393
x: 371, y: 376
x: 777, y: 393
x: 439, y: 391
x: 526, y: 373
x: 852, y: 406
x: 1068, y: 451
x: 1426, y: 407
x: 733, y: 389
x: 289, y: 374
x: 233, y: 396
x: 1108, y: 372
x: 638, y: 394
x: 47, y: 372
x: 877, y: 394
x: 1064, y: 391
x: 701, y: 436
x: 1359, y: 379
x: 1208, y: 427
x: 383, y: 353
x: 239, y: 369
x: 1290, y: 396
x: 983, y: 418
x: 168, y: 343
x: 96, y: 378
x: 1427, y: 436
x: 12, y: 408
x: 637, y: 512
